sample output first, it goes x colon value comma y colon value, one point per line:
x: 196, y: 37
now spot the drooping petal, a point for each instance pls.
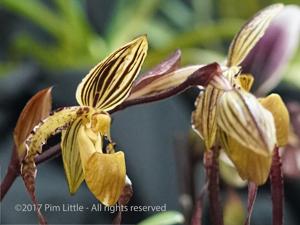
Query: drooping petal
x: 241, y: 116
x: 71, y: 156
x: 36, y: 109
x: 250, y: 34
x: 105, y: 176
x: 56, y: 122
x: 276, y: 106
x: 251, y: 166
x: 176, y: 81
x: 165, y: 82
x: 204, y: 119
x: 110, y: 82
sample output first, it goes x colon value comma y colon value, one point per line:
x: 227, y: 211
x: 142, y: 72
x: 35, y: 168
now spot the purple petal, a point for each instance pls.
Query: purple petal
x: 168, y: 65
x: 272, y: 53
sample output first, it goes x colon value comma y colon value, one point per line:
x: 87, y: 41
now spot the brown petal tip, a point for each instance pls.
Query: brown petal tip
x: 36, y: 109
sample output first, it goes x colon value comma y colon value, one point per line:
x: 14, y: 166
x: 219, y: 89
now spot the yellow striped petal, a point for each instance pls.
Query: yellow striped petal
x: 250, y: 34
x: 251, y: 166
x: 56, y: 122
x: 110, y: 82
x: 105, y: 176
x: 204, y: 117
x: 276, y: 106
x: 71, y: 156
x: 241, y: 116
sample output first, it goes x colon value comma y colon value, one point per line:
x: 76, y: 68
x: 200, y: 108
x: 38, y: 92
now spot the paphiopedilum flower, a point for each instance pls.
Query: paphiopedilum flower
x: 85, y: 127
x: 268, y: 59
x: 227, y: 114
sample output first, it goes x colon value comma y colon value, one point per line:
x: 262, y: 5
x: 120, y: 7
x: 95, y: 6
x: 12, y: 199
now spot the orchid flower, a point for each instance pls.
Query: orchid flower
x: 228, y: 115
x: 85, y: 127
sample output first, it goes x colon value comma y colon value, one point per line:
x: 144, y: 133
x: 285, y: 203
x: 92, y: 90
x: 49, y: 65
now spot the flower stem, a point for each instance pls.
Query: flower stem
x: 11, y: 174
x: 277, y: 188
x: 252, y: 191
x: 212, y: 174
x: 13, y: 170
x: 118, y: 218
x: 198, y: 210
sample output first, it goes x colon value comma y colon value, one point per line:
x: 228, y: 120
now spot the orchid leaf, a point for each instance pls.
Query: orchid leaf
x: 37, y: 12
x: 164, y: 218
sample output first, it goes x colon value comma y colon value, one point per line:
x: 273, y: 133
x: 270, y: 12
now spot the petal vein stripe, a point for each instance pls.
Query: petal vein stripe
x: 109, y: 83
x: 250, y: 34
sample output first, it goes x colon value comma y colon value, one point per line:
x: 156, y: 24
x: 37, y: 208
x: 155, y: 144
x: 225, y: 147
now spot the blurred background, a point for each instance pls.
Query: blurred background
x: 56, y: 42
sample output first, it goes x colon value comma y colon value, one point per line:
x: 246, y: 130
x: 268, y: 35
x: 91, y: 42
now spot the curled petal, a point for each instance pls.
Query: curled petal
x: 250, y: 34
x: 36, y: 109
x: 204, y: 120
x: 71, y: 156
x: 105, y: 176
x: 251, y: 166
x: 241, y: 116
x: 110, y: 82
x: 276, y: 106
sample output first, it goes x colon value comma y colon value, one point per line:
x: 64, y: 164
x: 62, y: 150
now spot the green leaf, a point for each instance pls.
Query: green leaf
x: 164, y: 218
x: 118, y: 32
x: 36, y: 12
